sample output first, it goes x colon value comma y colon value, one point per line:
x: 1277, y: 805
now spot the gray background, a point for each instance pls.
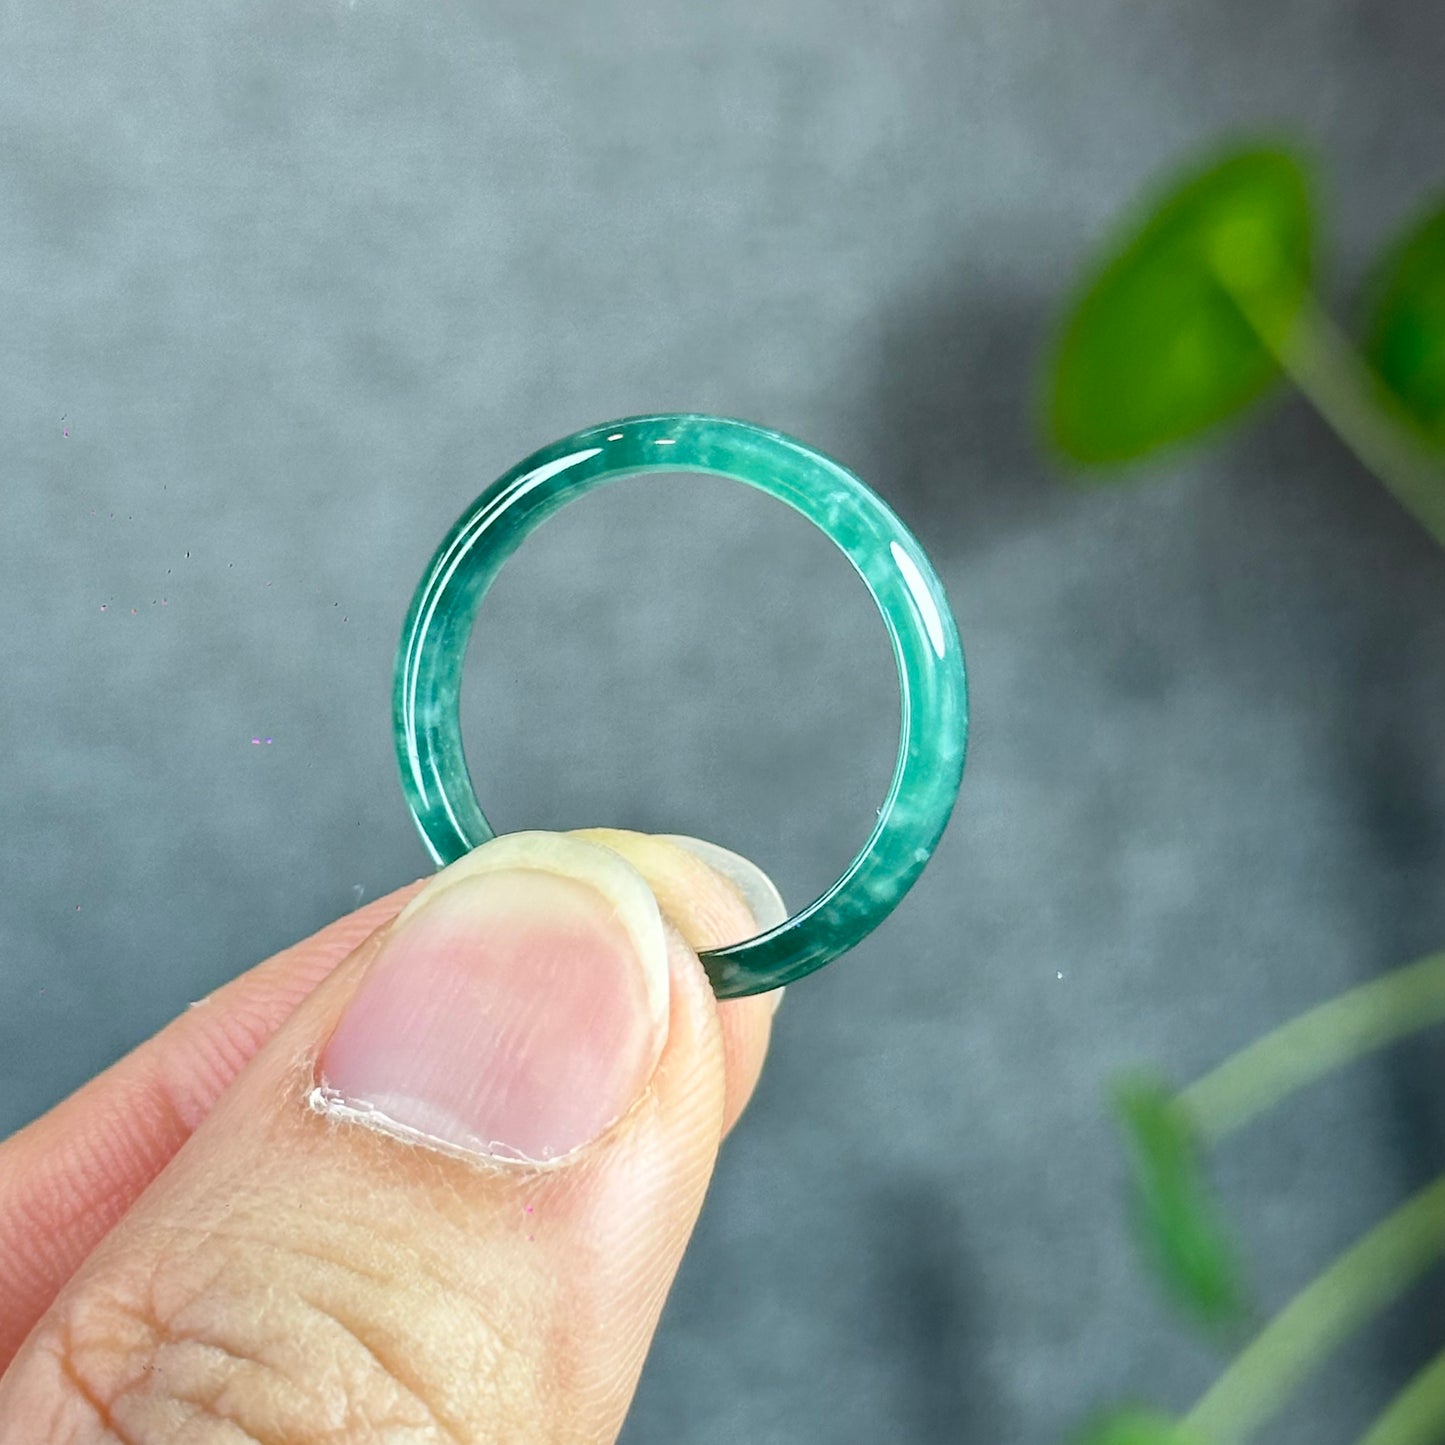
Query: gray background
x: 299, y: 278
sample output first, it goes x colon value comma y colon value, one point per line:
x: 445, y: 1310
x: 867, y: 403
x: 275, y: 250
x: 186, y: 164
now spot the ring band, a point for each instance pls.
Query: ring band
x: 933, y: 729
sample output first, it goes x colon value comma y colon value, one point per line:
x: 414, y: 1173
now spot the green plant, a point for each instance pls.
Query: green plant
x: 1183, y: 1236
x: 1200, y: 309
x: 1205, y: 304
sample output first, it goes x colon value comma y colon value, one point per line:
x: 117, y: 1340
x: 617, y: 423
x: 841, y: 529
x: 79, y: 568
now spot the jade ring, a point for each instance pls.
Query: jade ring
x: 931, y: 678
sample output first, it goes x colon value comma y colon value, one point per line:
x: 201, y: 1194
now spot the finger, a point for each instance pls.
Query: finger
x: 67, y: 1178
x: 445, y: 1200
x: 684, y: 876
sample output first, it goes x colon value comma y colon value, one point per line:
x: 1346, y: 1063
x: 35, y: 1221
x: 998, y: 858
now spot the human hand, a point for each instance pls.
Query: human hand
x: 298, y: 1213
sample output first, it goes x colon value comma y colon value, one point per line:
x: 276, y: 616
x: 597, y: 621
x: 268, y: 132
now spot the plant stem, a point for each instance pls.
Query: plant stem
x: 1366, y: 1018
x: 1416, y: 1416
x: 1318, y: 357
x: 1360, y: 1283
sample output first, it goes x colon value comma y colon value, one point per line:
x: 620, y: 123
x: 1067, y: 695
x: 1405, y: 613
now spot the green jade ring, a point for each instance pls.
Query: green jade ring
x: 932, y: 684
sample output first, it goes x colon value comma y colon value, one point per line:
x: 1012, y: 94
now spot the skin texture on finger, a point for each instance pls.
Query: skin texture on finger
x: 297, y: 1276
x: 68, y: 1177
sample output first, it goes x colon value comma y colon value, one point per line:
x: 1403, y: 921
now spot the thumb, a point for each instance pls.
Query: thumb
x: 446, y: 1200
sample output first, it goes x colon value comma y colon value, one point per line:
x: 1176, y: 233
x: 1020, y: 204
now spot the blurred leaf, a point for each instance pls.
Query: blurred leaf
x: 1179, y: 1222
x: 1158, y: 349
x: 1407, y: 334
x: 1134, y: 1427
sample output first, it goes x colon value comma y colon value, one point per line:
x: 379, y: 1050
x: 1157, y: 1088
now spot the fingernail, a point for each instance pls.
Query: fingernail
x: 517, y: 1008
x: 759, y: 891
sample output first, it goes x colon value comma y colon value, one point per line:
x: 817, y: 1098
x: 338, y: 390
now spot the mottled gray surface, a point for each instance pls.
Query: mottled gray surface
x: 298, y: 278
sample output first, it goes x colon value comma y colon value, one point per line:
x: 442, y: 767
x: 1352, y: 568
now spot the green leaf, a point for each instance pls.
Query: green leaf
x: 1133, y: 1426
x: 1179, y: 1223
x: 1407, y: 333
x: 1158, y: 347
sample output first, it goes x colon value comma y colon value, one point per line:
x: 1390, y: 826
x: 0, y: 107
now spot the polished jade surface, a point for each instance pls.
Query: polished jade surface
x: 932, y: 685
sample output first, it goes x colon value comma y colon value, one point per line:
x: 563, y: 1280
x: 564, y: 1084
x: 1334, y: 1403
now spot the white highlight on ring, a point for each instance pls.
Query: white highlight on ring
x: 922, y: 598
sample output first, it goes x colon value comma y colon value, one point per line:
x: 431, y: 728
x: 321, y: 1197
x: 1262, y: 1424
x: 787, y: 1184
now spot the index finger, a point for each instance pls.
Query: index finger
x: 68, y: 1177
